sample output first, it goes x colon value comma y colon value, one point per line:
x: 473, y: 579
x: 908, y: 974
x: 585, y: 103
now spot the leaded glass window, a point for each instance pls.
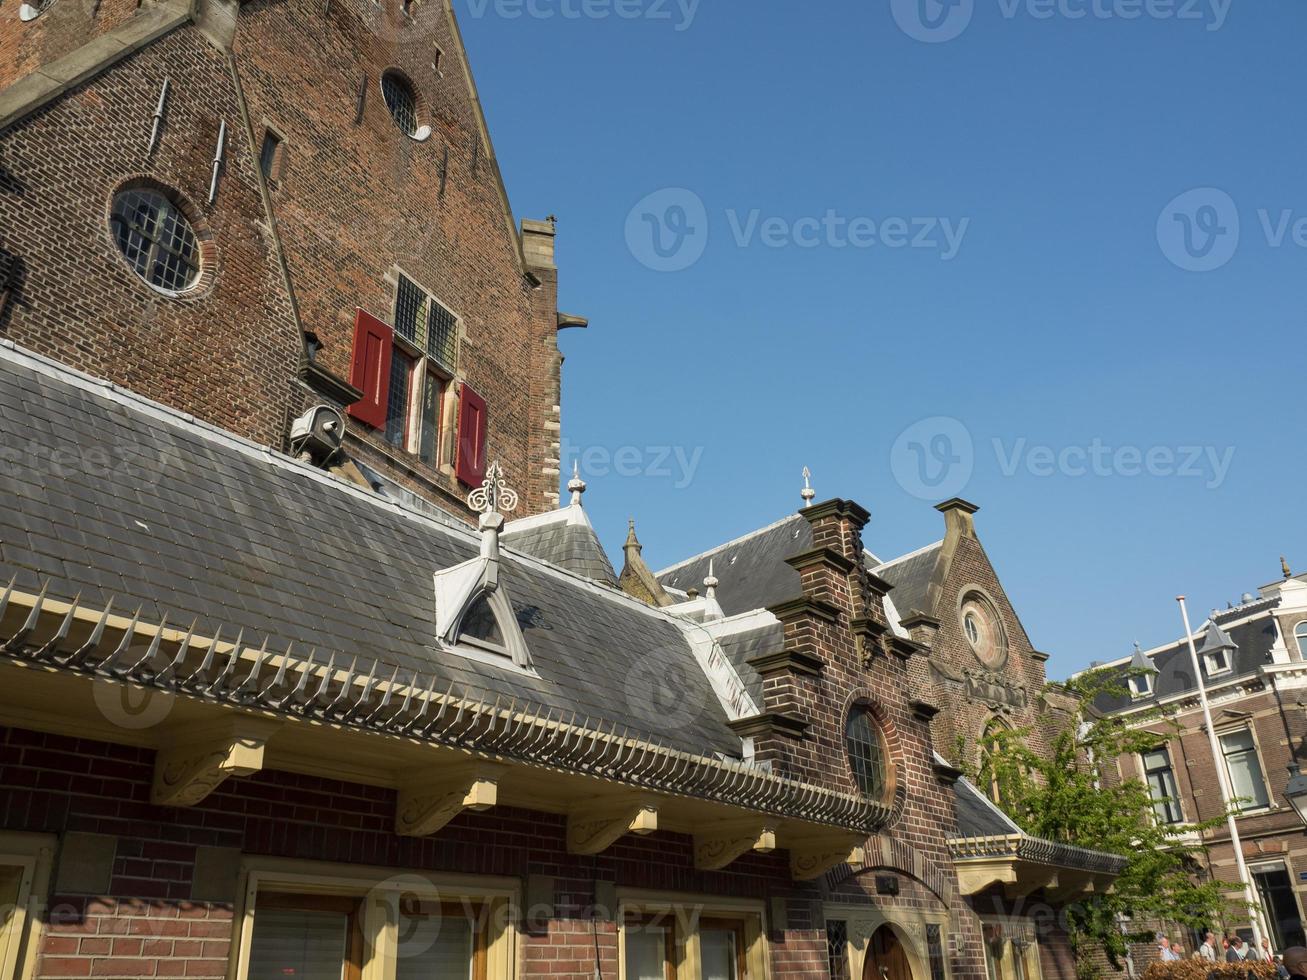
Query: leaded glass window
x: 401, y: 101
x: 866, y: 752
x: 156, y: 239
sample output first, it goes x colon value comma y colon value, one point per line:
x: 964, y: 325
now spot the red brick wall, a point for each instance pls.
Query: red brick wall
x: 963, y: 718
x: 55, y: 785
x: 356, y: 197
x: 229, y: 354
x: 64, y: 27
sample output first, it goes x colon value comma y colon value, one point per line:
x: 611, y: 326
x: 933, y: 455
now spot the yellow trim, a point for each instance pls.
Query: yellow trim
x: 33, y: 854
x: 376, y: 885
x: 689, y: 910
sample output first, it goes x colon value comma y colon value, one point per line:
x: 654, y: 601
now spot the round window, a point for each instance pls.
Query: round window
x: 866, y: 748
x: 156, y: 239
x: 983, y: 630
x: 401, y: 100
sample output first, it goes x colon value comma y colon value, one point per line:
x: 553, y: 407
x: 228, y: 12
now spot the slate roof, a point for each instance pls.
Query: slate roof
x: 742, y: 647
x: 977, y: 816
x: 751, y: 569
x: 572, y: 546
x: 1253, y: 641
x: 110, y: 496
x: 910, y: 576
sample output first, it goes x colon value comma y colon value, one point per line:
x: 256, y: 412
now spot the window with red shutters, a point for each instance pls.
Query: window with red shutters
x: 370, y: 370
x: 471, y: 436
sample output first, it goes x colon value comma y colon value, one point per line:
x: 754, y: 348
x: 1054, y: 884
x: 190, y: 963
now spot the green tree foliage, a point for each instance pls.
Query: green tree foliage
x: 1061, y: 796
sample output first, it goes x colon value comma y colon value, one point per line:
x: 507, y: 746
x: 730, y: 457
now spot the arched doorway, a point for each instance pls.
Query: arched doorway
x: 886, y: 958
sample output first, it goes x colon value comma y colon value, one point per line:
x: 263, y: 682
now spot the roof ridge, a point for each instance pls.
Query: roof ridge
x: 910, y: 554
x: 113, y: 392
x: 726, y: 544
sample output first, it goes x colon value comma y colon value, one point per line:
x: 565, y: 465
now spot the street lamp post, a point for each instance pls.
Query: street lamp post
x: 1223, y: 778
x: 1296, y: 791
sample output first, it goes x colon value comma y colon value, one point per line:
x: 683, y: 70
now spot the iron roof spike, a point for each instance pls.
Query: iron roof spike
x: 385, y: 698
x: 428, y: 695
x: 153, y: 650
x: 345, y: 686
x: 202, y: 671
x: 221, y: 680
x: 51, y: 645
x: 110, y: 663
x: 293, y: 698
x: 15, y: 641
x: 249, y: 683
x: 408, y: 699
x: 9, y: 591
x: 285, y: 700
x: 81, y: 653
x: 369, y: 685
x: 169, y: 674
x: 442, y: 701
x: 326, y: 682
x: 278, y: 678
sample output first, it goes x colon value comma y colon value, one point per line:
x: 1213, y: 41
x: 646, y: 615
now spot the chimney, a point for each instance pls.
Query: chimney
x: 957, y: 518
x: 538, y: 243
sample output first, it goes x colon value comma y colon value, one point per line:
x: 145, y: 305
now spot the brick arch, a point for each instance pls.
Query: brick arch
x: 886, y: 853
x: 893, y: 747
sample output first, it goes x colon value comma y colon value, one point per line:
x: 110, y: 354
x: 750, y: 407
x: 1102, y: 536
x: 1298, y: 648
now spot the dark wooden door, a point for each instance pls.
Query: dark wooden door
x: 886, y: 959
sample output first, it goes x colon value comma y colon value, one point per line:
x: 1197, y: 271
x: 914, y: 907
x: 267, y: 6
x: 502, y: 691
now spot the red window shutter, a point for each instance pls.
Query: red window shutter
x: 471, y: 436
x: 370, y: 369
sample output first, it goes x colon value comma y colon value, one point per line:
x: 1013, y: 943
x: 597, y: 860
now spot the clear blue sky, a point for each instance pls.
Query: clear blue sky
x: 1062, y: 318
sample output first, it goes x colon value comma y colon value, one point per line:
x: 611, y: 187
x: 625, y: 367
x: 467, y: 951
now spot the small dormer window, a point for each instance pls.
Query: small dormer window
x: 1141, y: 686
x: 481, y: 628
x: 1217, y: 662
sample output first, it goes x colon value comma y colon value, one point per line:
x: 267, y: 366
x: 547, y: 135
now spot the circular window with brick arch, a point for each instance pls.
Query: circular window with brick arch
x: 158, y: 235
x: 403, y: 103
x: 983, y: 629
x: 868, y: 757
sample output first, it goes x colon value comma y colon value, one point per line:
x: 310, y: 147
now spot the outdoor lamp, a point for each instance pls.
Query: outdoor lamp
x: 1296, y: 791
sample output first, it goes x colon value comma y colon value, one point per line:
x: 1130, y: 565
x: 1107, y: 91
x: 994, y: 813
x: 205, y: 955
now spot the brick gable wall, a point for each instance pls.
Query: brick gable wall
x: 228, y: 355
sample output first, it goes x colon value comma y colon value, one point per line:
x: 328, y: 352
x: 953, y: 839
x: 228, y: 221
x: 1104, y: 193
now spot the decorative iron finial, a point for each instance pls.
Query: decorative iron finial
x: 494, y: 496
x: 710, y: 583
x: 807, y: 493
x: 1284, y: 567
x: 576, y: 486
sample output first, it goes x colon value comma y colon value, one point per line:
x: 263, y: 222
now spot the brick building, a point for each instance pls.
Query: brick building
x: 284, y: 693
x: 1253, y: 659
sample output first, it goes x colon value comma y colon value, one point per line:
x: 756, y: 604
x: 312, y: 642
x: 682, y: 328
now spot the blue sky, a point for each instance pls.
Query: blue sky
x: 1097, y: 336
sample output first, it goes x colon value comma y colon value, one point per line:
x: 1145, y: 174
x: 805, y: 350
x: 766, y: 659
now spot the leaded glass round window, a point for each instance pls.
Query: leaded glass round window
x: 866, y: 751
x: 401, y: 100
x: 156, y: 239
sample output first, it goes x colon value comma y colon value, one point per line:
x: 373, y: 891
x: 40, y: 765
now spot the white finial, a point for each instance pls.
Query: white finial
x: 493, y: 496
x: 807, y: 493
x: 710, y: 583
x: 576, y: 486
